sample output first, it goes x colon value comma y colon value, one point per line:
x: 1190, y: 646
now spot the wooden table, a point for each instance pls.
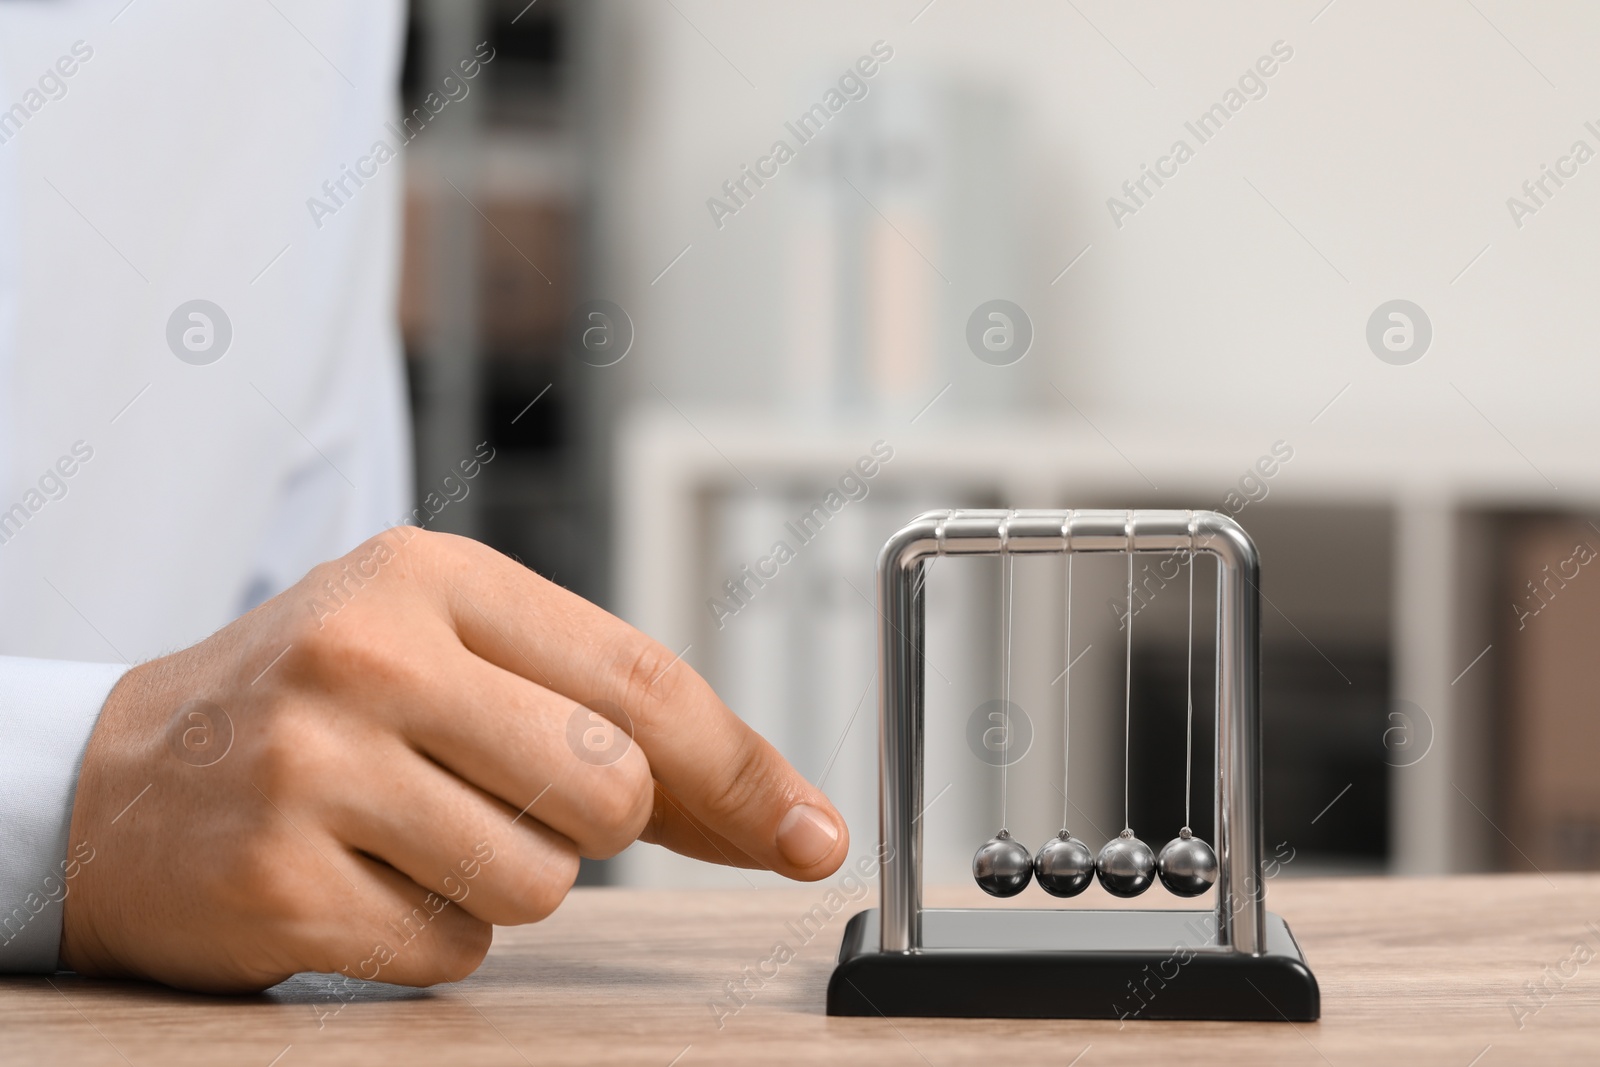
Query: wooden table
x: 1413, y: 971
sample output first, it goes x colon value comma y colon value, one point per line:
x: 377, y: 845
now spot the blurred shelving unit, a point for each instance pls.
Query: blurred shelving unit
x: 491, y: 261
x: 1385, y: 650
x: 1547, y: 730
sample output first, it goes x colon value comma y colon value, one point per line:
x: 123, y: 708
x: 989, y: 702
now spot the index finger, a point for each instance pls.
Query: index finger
x: 727, y: 777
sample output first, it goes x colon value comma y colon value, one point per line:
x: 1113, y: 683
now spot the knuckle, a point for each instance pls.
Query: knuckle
x: 281, y: 754
x: 432, y: 553
x: 656, y: 824
x: 651, y: 679
x: 750, y: 771
x: 314, y: 651
x: 433, y: 543
x: 333, y: 656
x: 391, y: 540
x: 462, y: 948
x: 545, y: 887
x: 620, y: 806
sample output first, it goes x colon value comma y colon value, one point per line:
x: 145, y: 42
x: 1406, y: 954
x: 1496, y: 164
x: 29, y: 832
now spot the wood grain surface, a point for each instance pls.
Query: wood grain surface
x: 1413, y: 971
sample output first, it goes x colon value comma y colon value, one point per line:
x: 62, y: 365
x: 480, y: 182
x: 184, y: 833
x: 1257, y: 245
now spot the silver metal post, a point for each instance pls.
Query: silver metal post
x: 1240, y: 914
x: 900, y: 648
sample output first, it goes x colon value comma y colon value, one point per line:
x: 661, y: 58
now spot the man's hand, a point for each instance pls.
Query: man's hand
x: 413, y: 743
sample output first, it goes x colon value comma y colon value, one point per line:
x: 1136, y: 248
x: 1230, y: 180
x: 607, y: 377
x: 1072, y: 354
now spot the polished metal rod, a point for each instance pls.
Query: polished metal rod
x: 1240, y: 909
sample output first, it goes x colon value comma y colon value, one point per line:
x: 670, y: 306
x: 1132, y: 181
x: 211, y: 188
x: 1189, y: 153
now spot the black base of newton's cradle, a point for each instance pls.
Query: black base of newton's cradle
x: 1010, y: 963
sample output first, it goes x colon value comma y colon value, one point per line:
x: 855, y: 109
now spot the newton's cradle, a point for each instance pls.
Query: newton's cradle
x: 1234, y: 961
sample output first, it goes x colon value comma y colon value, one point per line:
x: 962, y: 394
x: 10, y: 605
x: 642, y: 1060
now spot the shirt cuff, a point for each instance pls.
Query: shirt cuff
x: 48, y: 709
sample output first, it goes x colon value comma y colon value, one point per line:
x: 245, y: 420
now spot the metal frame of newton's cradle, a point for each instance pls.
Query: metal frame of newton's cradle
x: 1237, y: 961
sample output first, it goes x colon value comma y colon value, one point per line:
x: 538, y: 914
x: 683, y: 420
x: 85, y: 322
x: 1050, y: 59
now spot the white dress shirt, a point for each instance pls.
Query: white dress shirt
x: 150, y: 493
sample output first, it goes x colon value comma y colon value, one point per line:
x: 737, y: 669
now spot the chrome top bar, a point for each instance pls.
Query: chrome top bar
x: 1240, y: 909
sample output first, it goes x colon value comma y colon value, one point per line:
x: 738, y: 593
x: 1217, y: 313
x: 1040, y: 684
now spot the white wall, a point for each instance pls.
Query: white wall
x: 1390, y: 142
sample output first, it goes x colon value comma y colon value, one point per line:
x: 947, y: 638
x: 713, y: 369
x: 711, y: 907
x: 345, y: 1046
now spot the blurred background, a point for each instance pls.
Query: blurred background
x: 1325, y: 266
x: 1418, y: 719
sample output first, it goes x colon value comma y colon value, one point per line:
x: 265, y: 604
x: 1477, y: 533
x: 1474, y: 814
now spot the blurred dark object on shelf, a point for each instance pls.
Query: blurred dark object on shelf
x: 1549, y: 729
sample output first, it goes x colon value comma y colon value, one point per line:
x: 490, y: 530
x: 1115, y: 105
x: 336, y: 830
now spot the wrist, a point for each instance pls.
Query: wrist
x: 83, y: 949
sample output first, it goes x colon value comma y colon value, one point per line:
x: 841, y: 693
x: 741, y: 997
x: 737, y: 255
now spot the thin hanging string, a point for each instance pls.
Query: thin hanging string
x: 1005, y: 755
x: 1066, y: 715
x: 1188, y: 743
x: 1127, y: 691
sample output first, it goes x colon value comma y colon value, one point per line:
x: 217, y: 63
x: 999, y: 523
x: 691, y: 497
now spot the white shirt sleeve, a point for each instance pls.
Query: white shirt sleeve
x: 48, y: 709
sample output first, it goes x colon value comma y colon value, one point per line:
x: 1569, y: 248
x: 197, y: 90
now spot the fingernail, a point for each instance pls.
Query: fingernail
x: 806, y: 835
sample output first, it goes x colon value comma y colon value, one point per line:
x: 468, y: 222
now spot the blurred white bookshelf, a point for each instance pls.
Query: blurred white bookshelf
x: 798, y: 660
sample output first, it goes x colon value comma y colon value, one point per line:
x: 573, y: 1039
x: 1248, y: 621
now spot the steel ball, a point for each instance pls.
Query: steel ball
x: 1126, y: 866
x: 1064, y: 866
x: 1187, y: 865
x: 1002, y: 867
